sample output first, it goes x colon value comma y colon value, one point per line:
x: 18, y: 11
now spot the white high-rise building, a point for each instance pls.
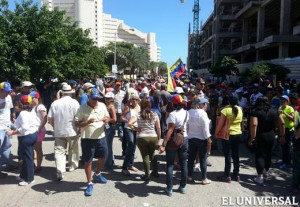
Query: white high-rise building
x: 103, y: 28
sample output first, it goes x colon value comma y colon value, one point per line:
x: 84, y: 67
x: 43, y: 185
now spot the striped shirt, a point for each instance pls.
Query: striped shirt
x: 147, y: 127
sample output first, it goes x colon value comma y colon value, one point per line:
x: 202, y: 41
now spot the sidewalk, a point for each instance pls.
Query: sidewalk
x: 132, y: 191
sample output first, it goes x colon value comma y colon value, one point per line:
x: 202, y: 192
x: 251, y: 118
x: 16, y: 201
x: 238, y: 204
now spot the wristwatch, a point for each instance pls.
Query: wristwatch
x: 164, y: 145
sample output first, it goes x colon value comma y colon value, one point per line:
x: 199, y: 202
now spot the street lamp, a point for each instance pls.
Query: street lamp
x: 114, y: 68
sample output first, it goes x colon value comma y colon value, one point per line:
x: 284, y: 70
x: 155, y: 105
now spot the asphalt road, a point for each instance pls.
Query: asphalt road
x: 123, y: 191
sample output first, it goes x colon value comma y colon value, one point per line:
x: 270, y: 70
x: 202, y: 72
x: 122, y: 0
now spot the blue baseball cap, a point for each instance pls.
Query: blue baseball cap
x: 200, y: 101
x: 6, y: 87
x: 94, y: 93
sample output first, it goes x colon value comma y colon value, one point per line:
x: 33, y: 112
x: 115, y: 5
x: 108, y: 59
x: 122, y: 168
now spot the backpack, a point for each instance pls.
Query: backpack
x: 177, y: 139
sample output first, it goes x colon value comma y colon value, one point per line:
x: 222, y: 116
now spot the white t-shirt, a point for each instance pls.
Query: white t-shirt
x: 38, y: 116
x: 63, y: 112
x: 6, y: 105
x: 94, y: 130
x: 145, y: 92
x: 177, y: 118
x: 198, y: 124
x: 25, y: 124
x: 119, y: 96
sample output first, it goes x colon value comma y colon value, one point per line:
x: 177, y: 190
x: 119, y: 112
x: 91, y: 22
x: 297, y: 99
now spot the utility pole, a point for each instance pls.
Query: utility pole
x: 114, y: 68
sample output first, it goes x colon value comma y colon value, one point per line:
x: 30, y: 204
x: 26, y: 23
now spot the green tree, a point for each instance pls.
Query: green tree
x: 162, y: 68
x: 225, y: 66
x: 39, y: 44
x: 128, y: 56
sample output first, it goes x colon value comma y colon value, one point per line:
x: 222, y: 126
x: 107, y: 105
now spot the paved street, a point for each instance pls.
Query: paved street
x: 131, y: 191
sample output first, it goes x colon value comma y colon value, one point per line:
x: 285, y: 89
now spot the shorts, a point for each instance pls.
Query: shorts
x: 93, y: 148
x: 41, y: 136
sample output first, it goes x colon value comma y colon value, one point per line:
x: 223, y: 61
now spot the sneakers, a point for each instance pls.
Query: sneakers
x: 24, y: 183
x: 259, y: 180
x: 169, y: 192
x: 197, y: 168
x: 89, y: 189
x: 182, y: 189
x: 266, y: 174
x: 99, y: 178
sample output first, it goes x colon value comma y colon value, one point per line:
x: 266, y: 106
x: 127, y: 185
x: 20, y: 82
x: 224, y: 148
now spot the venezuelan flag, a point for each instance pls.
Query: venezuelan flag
x: 179, y: 69
x: 171, y: 81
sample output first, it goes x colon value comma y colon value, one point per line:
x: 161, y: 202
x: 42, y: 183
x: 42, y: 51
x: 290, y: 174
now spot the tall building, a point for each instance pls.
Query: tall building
x: 252, y: 31
x: 103, y: 28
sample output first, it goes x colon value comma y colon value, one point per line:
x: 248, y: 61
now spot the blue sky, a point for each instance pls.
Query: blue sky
x: 169, y: 19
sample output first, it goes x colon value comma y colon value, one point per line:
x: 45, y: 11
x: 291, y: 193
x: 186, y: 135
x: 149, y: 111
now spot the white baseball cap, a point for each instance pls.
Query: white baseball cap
x: 178, y: 90
x: 87, y: 86
x: 27, y: 84
x: 109, y: 95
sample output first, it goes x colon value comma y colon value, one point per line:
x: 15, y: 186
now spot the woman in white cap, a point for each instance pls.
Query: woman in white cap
x: 110, y: 129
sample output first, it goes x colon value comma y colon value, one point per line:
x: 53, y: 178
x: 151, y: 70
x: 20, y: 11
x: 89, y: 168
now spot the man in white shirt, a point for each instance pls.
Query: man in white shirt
x: 5, y: 123
x: 61, y: 117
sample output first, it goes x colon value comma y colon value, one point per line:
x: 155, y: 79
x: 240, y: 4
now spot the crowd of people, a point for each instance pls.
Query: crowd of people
x: 86, y: 114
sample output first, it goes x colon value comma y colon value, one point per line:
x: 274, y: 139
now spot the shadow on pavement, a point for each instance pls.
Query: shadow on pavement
x: 54, y: 187
x: 138, y: 190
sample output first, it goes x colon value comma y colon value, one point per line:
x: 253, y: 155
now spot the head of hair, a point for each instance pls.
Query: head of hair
x: 146, y: 112
x: 262, y: 103
x: 233, y: 102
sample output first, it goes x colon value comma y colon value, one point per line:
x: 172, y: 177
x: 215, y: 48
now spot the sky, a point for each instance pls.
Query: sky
x: 169, y: 19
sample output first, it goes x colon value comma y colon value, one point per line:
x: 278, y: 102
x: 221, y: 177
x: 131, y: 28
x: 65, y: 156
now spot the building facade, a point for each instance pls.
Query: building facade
x: 103, y: 28
x: 251, y: 31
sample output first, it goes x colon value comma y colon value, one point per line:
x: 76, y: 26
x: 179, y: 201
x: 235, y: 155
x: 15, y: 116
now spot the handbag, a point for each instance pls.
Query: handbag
x: 223, y: 133
x: 177, y: 139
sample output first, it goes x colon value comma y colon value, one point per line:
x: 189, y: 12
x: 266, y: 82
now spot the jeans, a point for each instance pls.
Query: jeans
x: 26, y: 149
x: 231, y: 150
x: 5, y: 148
x: 110, y: 133
x: 120, y: 125
x: 182, y: 156
x: 287, y: 147
x: 197, y: 145
x: 131, y: 146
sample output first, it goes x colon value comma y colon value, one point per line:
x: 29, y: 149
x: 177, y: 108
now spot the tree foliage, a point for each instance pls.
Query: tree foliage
x: 261, y: 71
x: 36, y: 44
x: 128, y: 56
x: 225, y: 66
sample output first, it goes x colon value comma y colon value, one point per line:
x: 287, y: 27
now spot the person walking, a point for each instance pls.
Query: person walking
x: 148, y: 135
x: 130, y: 133
x: 231, y: 146
x: 91, y: 119
x: 26, y: 129
x: 39, y: 111
x: 61, y: 117
x: 288, y: 114
x: 263, y: 123
x: 6, y: 105
x: 177, y: 119
x: 198, y: 138
x: 110, y: 129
